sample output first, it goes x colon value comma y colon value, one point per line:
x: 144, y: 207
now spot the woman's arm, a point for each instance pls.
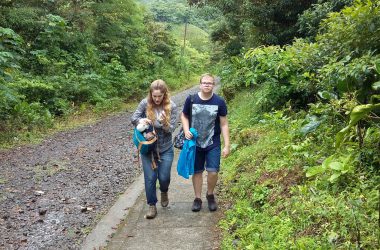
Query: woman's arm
x: 173, y: 118
x: 139, y: 113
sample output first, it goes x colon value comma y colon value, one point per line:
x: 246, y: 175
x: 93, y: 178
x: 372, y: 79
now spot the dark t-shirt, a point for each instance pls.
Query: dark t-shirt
x: 205, y: 119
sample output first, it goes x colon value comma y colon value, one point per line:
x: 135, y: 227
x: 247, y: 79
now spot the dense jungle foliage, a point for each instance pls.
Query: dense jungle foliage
x: 59, y: 58
x: 302, y: 81
x: 247, y: 24
x: 304, y: 118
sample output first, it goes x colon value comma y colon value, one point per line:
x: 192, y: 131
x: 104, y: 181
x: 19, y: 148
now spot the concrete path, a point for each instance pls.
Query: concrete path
x: 175, y: 227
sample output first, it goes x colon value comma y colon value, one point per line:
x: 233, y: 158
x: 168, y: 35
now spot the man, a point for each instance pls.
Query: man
x: 208, y: 115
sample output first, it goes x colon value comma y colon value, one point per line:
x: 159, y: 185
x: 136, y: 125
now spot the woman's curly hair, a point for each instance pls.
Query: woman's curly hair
x: 165, y: 104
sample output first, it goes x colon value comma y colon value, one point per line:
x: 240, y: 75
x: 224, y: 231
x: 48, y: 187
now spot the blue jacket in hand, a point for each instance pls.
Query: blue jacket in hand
x: 185, y: 165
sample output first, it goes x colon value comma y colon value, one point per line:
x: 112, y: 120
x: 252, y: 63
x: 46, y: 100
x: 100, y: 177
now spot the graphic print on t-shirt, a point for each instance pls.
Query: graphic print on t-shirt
x: 204, y: 122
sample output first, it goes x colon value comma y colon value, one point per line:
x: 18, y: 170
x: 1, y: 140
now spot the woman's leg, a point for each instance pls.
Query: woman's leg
x: 164, y: 168
x: 150, y: 179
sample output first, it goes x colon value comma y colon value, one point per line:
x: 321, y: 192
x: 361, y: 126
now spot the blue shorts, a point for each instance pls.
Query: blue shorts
x: 207, y: 159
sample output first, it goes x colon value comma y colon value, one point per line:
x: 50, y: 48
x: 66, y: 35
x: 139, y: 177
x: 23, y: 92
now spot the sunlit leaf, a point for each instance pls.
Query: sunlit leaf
x: 326, y: 95
x: 334, y: 177
x: 336, y: 165
x: 356, y: 115
x: 312, y: 171
x: 376, y: 86
x: 359, y: 112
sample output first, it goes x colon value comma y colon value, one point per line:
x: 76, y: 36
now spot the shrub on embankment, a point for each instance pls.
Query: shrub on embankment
x: 61, y: 59
x: 305, y: 167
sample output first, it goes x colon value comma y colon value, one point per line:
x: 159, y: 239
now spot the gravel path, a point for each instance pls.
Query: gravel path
x: 52, y: 194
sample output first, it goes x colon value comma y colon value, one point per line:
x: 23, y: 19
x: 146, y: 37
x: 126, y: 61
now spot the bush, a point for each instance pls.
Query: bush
x: 27, y: 116
x: 9, y: 99
x: 352, y: 32
x: 287, y: 161
x: 10, y: 51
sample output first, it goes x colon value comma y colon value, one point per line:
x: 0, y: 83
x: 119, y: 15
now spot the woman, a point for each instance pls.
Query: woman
x: 158, y: 110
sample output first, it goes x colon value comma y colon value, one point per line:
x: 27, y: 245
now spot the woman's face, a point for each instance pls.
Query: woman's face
x: 157, y: 96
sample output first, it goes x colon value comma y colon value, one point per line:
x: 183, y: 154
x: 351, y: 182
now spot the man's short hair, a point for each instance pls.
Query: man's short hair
x: 207, y: 74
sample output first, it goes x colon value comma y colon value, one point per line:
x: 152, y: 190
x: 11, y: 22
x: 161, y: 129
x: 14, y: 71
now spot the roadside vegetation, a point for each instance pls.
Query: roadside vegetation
x: 302, y: 81
x: 304, y: 117
x: 67, y: 61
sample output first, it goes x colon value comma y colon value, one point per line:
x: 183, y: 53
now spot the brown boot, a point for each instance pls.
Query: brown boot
x: 152, y: 212
x: 164, y: 199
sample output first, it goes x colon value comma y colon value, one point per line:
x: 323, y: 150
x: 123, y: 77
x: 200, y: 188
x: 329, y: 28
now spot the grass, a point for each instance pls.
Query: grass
x: 2, y: 180
x: 2, y: 191
x: 195, y: 37
x: 273, y: 205
x: 82, y: 116
x: 48, y: 170
x: 86, y: 230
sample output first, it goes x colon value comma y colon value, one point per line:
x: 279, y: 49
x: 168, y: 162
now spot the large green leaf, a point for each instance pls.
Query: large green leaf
x: 334, y: 177
x: 376, y: 86
x: 362, y: 110
x: 327, y: 161
x: 326, y: 95
x: 356, y: 115
x: 315, y: 170
x: 359, y: 112
x: 336, y: 165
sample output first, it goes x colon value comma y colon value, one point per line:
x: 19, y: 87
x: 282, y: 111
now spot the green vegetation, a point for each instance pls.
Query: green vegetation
x: 179, y: 12
x: 62, y: 59
x: 2, y: 180
x: 195, y: 37
x: 302, y: 79
x: 47, y: 170
x: 305, y: 169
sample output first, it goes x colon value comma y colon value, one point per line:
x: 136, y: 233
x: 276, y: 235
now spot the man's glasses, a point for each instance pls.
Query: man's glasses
x: 207, y: 83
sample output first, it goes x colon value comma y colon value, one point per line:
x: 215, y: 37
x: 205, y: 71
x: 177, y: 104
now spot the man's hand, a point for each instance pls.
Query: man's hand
x: 186, y: 128
x: 188, y: 135
x: 226, y: 151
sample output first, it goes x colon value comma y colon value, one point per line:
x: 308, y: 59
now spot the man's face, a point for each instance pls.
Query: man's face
x: 207, y: 84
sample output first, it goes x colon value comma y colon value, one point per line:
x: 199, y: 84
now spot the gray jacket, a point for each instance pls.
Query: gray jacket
x: 164, y: 136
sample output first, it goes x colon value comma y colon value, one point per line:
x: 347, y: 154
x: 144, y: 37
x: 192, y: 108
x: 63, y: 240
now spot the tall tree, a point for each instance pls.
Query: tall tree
x: 249, y: 23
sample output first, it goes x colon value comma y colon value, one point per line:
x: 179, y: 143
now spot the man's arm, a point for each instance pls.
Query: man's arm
x: 185, y: 126
x: 226, y: 135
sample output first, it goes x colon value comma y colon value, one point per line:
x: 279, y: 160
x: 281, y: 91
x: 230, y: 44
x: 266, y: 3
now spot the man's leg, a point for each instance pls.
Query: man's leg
x: 212, y: 178
x: 198, y: 180
x: 197, y: 184
x: 212, y: 167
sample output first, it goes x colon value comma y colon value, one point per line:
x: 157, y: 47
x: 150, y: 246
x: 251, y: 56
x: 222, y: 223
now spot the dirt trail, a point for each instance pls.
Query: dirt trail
x: 53, y: 193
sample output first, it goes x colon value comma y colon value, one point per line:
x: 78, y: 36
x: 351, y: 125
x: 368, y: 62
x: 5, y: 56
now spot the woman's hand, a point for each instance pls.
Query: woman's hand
x: 162, y: 116
x: 146, y: 121
x: 188, y: 135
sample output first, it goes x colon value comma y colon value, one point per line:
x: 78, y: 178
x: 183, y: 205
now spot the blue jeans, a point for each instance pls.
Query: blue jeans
x: 162, y: 172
